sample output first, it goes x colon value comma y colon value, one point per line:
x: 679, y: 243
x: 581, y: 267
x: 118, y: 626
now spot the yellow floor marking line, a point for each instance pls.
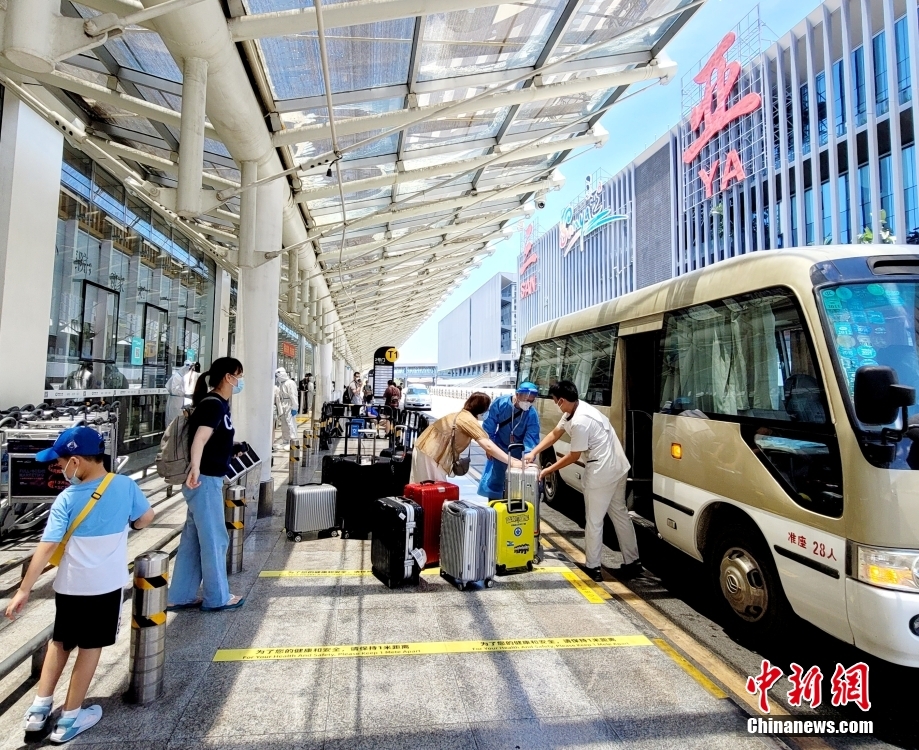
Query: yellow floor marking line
x: 589, y: 589
x: 687, y: 667
x: 724, y: 673
x: 436, y: 647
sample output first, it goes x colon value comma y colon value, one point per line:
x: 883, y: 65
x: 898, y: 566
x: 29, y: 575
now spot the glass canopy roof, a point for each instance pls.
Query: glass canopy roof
x: 530, y: 76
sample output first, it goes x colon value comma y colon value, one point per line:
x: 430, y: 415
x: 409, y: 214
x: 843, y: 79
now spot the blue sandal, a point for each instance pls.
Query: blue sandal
x: 225, y: 607
x: 42, y: 712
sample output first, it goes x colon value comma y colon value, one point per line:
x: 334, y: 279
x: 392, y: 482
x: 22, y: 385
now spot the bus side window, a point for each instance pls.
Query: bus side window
x: 746, y: 356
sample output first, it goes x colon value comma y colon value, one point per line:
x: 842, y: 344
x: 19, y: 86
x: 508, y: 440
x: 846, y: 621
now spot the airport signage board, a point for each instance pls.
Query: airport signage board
x: 384, y: 368
x: 719, y: 107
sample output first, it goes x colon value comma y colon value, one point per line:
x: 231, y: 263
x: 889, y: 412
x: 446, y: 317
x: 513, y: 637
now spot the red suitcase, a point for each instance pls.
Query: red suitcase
x: 431, y: 496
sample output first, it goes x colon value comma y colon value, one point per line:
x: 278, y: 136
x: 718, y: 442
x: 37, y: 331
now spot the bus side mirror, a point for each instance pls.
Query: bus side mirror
x: 879, y: 397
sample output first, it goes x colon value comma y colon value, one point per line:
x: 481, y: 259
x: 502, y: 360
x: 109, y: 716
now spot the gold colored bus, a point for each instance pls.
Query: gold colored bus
x: 766, y: 406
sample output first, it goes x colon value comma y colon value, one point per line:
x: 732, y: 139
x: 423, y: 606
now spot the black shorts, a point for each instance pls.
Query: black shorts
x: 87, y: 621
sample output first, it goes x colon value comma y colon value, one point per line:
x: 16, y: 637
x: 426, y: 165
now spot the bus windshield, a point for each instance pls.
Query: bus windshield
x: 874, y: 324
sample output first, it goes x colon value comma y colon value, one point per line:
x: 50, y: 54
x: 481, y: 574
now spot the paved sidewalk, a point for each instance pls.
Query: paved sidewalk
x: 526, y: 693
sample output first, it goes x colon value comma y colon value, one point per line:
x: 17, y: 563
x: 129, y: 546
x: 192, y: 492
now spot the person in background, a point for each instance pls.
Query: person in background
x: 201, y: 561
x: 175, y: 387
x: 286, y: 400
x: 191, y: 380
x: 336, y: 394
x: 306, y: 389
x: 448, y: 438
x: 92, y: 574
x: 392, y: 395
x: 593, y: 441
x: 355, y: 394
x: 511, y: 420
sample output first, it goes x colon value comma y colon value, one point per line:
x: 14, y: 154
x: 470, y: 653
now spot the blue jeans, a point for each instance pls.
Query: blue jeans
x: 202, y: 555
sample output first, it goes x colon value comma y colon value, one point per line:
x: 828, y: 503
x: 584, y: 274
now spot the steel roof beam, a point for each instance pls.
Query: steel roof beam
x: 290, y: 22
x: 427, y: 234
x: 500, y: 99
x: 441, y: 206
x: 473, y: 80
x: 461, y: 167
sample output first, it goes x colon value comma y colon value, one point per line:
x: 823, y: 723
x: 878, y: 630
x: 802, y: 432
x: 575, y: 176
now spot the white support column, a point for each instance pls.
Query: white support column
x: 293, y: 281
x: 220, y: 346
x: 30, y: 182
x: 304, y: 301
x: 28, y: 34
x: 257, y: 327
x: 191, y: 144
x: 324, y: 381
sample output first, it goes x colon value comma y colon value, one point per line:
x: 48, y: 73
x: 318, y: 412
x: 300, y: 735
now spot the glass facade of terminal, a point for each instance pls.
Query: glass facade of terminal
x: 132, y: 300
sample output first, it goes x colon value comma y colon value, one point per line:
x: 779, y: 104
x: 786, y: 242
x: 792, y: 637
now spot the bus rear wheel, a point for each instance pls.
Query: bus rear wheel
x: 747, y: 579
x: 553, y: 484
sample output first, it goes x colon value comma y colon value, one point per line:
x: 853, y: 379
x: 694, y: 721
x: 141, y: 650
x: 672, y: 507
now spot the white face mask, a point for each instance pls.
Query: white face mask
x: 74, y: 479
x: 524, y: 405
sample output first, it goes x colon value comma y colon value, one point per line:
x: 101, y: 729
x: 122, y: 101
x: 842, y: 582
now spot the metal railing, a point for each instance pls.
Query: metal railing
x: 36, y: 645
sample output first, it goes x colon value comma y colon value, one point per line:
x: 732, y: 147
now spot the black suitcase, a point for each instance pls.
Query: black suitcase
x: 400, y: 467
x: 398, y: 536
x: 358, y: 486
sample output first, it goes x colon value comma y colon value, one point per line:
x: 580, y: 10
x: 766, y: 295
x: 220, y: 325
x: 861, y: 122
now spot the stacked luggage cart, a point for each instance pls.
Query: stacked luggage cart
x: 411, y: 526
x: 27, y: 487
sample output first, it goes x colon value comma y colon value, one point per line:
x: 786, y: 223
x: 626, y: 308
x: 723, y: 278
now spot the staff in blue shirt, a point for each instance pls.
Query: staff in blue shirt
x: 510, y: 420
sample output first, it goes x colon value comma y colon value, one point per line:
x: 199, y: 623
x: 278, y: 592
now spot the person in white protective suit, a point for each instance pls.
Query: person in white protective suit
x: 175, y: 388
x: 286, y: 402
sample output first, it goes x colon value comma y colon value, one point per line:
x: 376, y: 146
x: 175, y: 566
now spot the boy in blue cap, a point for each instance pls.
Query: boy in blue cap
x: 510, y: 420
x: 90, y: 520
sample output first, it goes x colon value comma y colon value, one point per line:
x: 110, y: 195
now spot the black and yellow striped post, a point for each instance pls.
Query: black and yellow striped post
x: 293, y: 474
x: 234, y: 501
x: 148, y: 627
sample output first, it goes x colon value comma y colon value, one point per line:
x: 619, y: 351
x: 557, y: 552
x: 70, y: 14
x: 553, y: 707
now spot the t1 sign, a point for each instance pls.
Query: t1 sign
x: 719, y: 77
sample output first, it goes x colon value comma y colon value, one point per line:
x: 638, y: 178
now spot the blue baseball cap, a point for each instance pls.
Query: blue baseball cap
x: 77, y: 441
x: 529, y: 388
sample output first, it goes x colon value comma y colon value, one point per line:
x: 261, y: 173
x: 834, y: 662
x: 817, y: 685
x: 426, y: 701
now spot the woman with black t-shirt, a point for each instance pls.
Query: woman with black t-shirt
x: 202, y: 555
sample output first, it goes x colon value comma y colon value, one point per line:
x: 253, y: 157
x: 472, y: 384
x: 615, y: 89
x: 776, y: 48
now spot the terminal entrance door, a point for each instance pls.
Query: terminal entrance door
x: 642, y: 375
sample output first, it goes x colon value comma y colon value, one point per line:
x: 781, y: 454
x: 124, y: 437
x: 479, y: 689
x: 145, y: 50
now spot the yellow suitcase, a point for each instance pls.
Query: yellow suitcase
x: 515, y: 540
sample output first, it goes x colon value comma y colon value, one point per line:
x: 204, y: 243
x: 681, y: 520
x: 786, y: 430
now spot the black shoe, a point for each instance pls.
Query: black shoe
x: 596, y: 574
x: 629, y: 570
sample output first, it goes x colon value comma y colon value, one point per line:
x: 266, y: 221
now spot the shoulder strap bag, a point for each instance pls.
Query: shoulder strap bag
x: 460, y: 463
x: 100, y: 491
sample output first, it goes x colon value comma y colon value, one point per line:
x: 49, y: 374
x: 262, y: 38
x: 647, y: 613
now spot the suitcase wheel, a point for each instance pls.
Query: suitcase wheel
x: 489, y: 583
x: 460, y: 586
x: 530, y: 565
x: 298, y: 538
x: 290, y: 535
x: 334, y: 532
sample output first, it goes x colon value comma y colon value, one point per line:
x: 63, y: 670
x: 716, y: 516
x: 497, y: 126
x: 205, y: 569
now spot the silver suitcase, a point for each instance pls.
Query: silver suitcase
x: 310, y: 512
x: 467, y: 544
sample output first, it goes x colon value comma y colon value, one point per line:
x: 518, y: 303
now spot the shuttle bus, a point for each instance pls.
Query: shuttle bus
x: 766, y: 404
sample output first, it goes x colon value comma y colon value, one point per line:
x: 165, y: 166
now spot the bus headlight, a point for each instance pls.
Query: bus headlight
x: 888, y: 568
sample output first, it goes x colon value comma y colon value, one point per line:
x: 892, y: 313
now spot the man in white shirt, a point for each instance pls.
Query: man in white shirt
x: 594, y: 443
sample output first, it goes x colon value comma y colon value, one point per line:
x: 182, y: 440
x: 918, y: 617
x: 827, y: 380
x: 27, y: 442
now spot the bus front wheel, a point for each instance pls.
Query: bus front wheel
x: 748, y: 581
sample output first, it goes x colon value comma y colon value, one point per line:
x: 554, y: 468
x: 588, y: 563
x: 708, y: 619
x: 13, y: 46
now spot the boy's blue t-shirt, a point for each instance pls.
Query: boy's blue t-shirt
x: 96, y: 557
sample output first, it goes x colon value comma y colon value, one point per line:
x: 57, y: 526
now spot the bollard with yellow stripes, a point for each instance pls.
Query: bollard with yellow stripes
x: 293, y: 474
x: 148, y: 627
x: 234, y: 514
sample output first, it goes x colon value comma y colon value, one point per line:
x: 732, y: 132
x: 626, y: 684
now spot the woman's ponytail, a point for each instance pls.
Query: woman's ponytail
x: 200, y: 389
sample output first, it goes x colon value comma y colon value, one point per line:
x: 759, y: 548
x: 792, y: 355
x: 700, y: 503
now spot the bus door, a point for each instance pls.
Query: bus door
x: 642, y: 400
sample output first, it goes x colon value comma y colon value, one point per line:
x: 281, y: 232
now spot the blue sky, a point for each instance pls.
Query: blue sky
x: 633, y: 125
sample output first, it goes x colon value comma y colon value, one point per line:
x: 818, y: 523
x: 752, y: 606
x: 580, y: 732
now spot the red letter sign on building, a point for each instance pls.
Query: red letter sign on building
x: 719, y: 78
